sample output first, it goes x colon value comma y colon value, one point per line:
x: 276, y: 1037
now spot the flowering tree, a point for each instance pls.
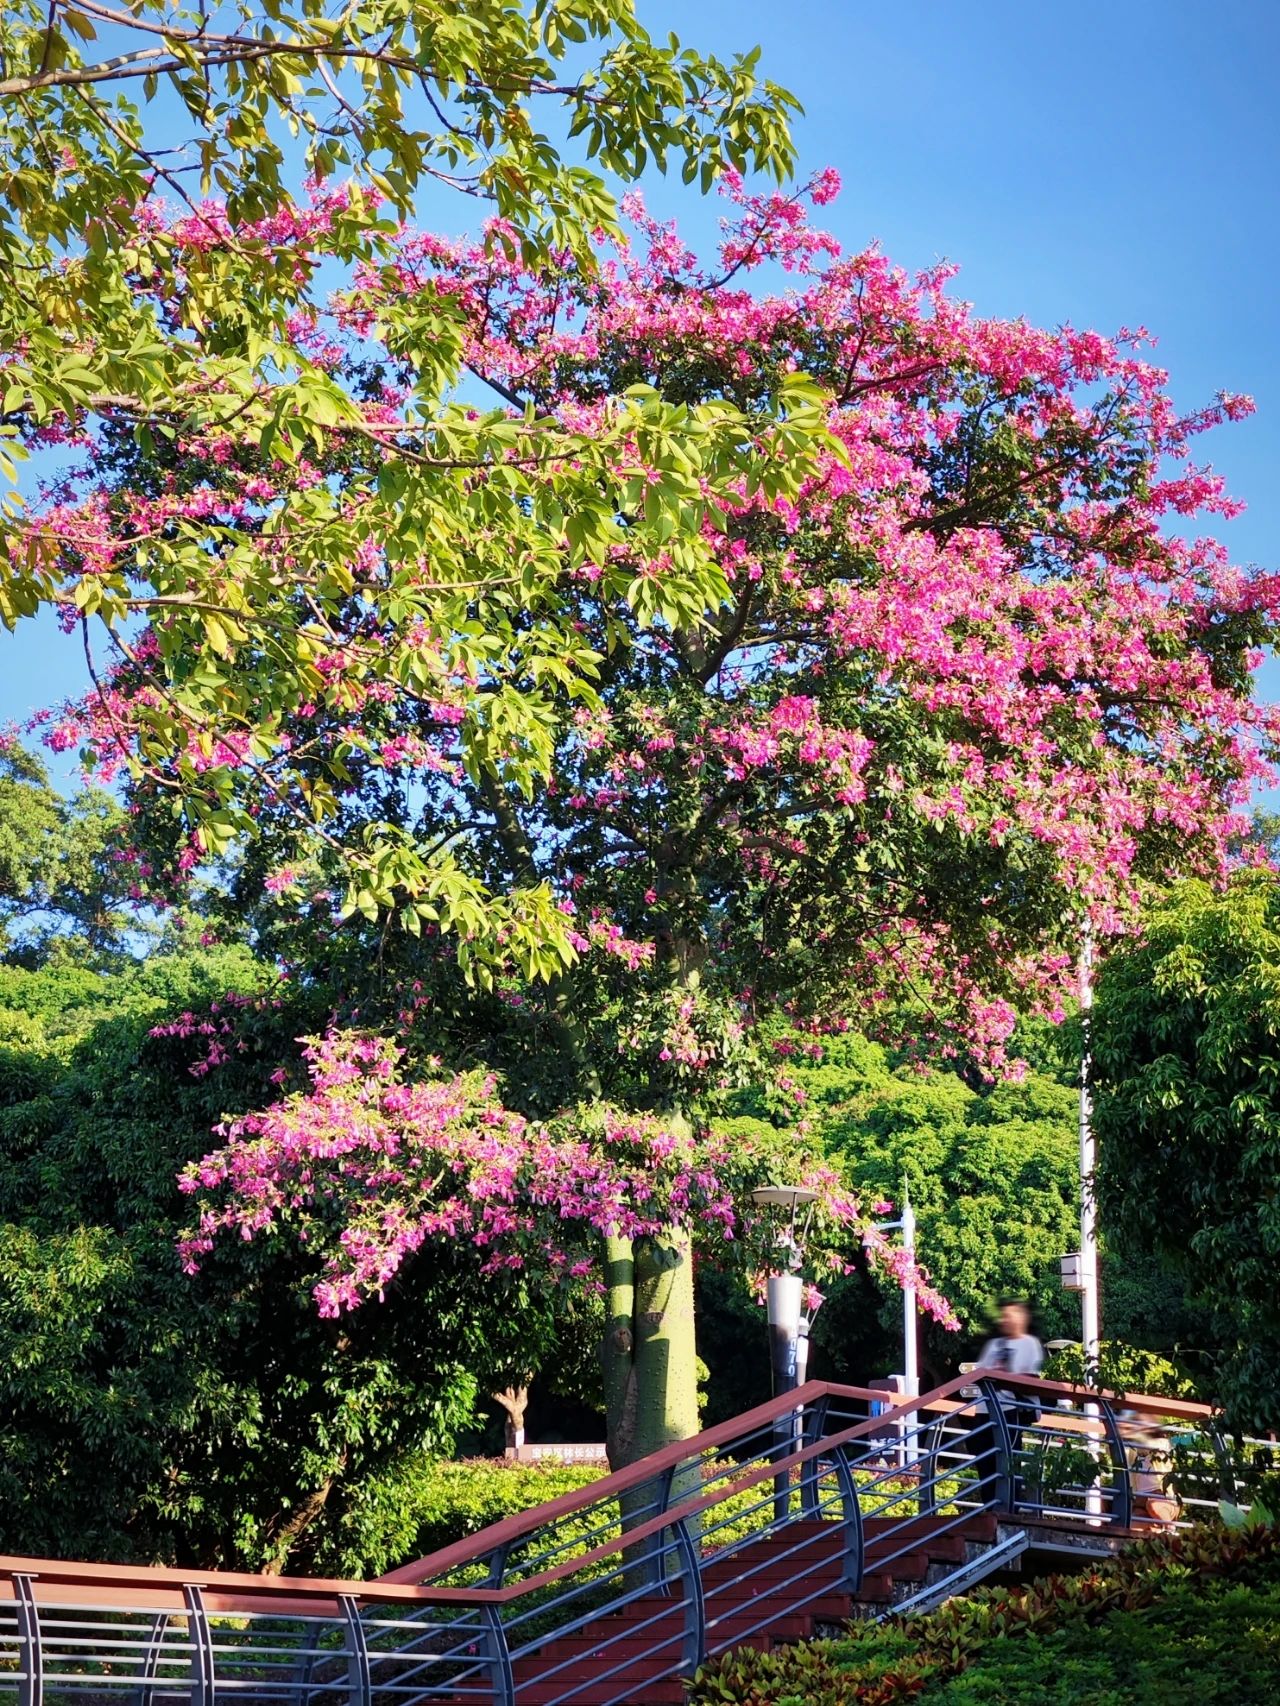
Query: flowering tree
x: 198, y: 330
x: 367, y: 1164
x: 872, y: 716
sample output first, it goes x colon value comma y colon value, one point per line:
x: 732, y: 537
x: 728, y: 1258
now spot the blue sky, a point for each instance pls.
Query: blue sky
x: 1103, y: 164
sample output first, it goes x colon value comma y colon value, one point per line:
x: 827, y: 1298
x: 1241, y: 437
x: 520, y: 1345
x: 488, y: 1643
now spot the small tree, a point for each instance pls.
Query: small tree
x: 1188, y: 1111
x: 64, y: 890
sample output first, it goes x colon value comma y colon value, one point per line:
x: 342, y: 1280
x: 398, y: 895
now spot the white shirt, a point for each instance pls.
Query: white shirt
x: 1023, y: 1355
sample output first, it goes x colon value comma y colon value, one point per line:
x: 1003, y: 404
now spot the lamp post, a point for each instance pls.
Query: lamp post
x: 1087, y: 1280
x: 1090, y: 1330
x: 788, y: 1321
x: 784, y: 1289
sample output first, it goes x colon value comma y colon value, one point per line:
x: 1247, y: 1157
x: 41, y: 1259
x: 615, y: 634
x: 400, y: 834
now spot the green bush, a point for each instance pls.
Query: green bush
x: 1120, y: 1368
x: 441, y: 1503
x: 1180, y: 1618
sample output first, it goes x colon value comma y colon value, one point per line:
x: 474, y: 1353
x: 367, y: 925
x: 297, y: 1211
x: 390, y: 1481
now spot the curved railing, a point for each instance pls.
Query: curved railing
x: 799, y: 1505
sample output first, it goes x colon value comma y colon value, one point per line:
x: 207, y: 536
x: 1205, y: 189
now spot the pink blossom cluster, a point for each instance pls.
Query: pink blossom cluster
x: 406, y: 1162
x: 987, y: 625
x: 220, y: 1027
x: 366, y: 1166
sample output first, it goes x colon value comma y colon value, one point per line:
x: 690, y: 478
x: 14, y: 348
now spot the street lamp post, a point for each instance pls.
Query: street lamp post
x: 1090, y: 1324
x: 1090, y: 1330
x: 784, y: 1289
x: 789, y: 1322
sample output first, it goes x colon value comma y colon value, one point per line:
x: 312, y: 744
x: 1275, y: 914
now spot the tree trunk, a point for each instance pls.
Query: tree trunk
x: 514, y: 1400
x: 650, y: 1362
x: 619, y: 1351
x: 651, y: 1383
x: 666, y: 1376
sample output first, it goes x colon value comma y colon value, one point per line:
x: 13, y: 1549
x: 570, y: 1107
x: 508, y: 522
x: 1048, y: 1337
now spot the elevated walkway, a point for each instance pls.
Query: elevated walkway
x: 784, y: 1522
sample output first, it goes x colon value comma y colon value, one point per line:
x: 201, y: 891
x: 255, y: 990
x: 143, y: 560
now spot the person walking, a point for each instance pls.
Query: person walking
x: 1013, y: 1350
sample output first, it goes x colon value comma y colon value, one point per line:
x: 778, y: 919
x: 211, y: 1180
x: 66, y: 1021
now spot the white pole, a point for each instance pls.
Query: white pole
x: 1089, y: 1328
x: 1089, y: 1322
x: 910, y: 1367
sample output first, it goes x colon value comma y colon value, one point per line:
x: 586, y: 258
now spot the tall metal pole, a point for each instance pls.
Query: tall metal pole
x: 1089, y: 1313
x: 1090, y: 1344
x: 910, y: 1365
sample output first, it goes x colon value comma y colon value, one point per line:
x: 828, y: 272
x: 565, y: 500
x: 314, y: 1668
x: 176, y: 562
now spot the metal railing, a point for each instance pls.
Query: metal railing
x: 787, y: 1512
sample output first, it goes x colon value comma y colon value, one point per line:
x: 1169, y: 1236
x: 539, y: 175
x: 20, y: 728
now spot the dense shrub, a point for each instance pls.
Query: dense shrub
x: 437, y: 1503
x: 1187, y: 1617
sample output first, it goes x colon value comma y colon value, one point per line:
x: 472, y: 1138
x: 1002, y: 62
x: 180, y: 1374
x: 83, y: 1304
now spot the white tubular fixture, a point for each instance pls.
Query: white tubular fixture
x: 785, y: 1301
x: 1088, y: 1276
x: 1087, y: 1280
x: 910, y: 1363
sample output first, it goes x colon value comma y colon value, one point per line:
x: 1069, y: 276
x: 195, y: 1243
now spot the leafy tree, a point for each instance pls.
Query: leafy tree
x: 194, y: 321
x: 148, y: 1418
x: 877, y: 748
x: 63, y: 890
x: 993, y: 1178
x: 993, y: 1173
x: 1185, y: 1071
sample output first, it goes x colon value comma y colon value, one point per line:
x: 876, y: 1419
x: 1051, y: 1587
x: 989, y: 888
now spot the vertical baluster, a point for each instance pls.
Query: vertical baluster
x: 151, y: 1659
x: 203, y: 1675
x: 1004, y: 1494
x: 929, y: 1470
x: 1122, y: 1497
x: 689, y: 1559
x: 810, y: 1474
x: 497, y: 1650
x: 31, y: 1687
x: 359, y: 1674
x: 855, y: 1546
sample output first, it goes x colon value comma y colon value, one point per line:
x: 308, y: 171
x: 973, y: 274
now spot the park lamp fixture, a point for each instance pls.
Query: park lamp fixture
x: 789, y: 1214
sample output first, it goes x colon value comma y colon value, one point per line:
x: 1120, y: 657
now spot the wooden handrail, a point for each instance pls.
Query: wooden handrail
x: 233, y: 1592
x: 70, y: 1573
x: 699, y: 1502
x: 1181, y: 1408
x: 620, y: 1481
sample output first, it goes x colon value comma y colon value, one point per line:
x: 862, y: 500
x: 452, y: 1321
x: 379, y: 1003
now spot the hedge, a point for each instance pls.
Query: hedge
x: 1179, y: 1620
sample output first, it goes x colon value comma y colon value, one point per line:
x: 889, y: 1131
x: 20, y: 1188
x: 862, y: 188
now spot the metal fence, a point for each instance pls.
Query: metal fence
x: 793, y: 1510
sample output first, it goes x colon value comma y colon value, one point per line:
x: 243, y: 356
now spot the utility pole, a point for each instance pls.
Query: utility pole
x: 910, y: 1362
x: 1090, y: 1344
x: 1089, y: 1312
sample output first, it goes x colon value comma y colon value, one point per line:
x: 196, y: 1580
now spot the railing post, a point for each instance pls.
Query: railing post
x: 359, y: 1676
x: 151, y: 1659
x: 855, y: 1545
x: 1228, y: 1487
x: 306, y: 1664
x: 810, y: 1474
x: 1004, y: 1493
x: 1122, y: 1500
x: 497, y: 1651
x: 31, y: 1687
x: 694, y: 1650
x: 927, y: 1485
x: 498, y: 1655
x: 203, y: 1675
x: 498, y: 1564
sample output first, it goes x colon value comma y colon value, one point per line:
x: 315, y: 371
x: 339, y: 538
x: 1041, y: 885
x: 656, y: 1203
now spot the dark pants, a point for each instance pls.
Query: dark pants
x: 988, y: 1453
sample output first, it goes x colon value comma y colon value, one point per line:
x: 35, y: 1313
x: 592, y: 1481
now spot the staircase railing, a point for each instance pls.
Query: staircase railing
x: 798, y: 1505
